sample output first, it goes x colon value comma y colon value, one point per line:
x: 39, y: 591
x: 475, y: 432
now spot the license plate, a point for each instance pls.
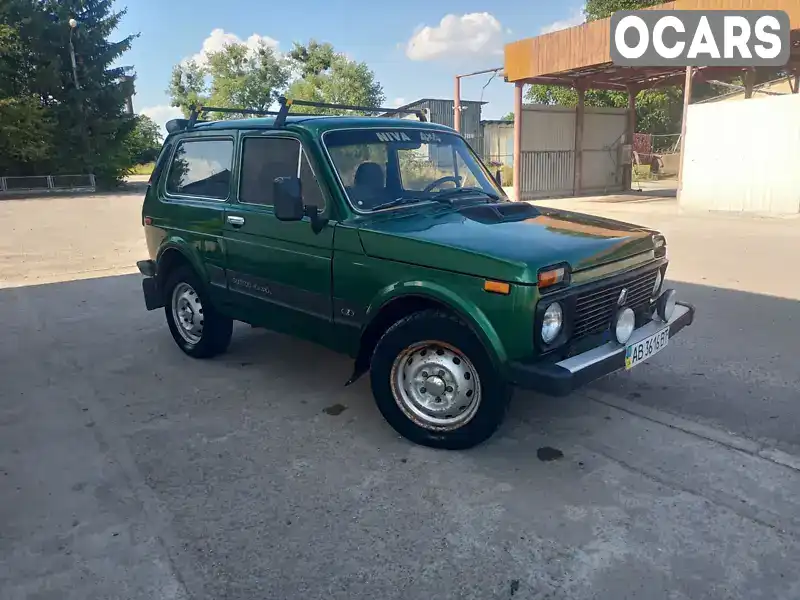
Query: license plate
x: 641, y: 351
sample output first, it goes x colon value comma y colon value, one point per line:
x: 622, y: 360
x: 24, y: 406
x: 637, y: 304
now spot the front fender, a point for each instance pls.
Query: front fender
x: 467, y: 310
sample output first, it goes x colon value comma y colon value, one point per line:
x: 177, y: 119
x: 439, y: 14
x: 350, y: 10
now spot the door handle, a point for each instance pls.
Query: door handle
x: 235, y: 221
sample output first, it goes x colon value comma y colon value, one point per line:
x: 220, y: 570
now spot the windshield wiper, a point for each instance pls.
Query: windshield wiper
x: 395, y: 202
x: 444, y: 195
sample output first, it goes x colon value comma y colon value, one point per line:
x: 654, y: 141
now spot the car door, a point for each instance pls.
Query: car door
x: 194, y: 195
x: 279, y: 273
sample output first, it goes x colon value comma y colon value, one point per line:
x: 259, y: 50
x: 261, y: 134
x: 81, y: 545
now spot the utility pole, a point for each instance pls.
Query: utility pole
x: 457, y: 95
x: 72, y: 25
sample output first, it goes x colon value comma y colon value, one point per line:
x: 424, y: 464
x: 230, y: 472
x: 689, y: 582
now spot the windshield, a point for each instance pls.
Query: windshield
x: 380, y: 168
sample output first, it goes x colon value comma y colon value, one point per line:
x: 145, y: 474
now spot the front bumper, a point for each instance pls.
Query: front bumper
x: 562, y: 378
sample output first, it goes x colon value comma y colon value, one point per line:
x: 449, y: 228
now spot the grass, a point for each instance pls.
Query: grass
x: 144, y: 169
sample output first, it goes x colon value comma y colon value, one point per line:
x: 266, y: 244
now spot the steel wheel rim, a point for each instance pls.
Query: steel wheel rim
x: 187, y: 312
x: 436, y: 386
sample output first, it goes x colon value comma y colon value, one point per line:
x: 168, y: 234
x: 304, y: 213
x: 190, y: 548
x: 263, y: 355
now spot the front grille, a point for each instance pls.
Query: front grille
x: 595, y: 308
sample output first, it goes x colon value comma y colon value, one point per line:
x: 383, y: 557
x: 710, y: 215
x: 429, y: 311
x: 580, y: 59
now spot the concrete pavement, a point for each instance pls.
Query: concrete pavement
x: 130, y: 471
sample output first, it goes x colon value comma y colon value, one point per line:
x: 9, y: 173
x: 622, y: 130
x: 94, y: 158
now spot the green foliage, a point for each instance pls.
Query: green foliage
x: 243, y: 78
x: 237, y: 76
x: 26, y: 134
x: 508, y: 117
x: 187, y: 86
x: 144, y: 142
x: 328, y: 76
x: 600, y: 9
x: 64, y: 127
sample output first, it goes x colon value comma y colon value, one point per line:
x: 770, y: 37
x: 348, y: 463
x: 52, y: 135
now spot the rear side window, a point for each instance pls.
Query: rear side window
x: 201, y: 168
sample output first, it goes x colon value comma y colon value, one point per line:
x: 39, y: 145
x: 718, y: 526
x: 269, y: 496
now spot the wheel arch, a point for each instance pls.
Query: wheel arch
x: 175, y: 254
x: 399, y: 301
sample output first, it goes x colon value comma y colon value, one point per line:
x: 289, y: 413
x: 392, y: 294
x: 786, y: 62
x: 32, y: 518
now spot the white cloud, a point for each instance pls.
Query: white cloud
x: 219, y: 38
x: 576, y: 18
x: 161, y: 114
x: 462, y: 36
x: 397, y: 102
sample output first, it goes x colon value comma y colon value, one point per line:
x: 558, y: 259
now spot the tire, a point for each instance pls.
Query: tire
x: 467, y: 399
x: 209, y: 333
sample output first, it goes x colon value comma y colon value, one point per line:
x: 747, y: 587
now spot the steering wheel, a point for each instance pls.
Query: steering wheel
x: 455, y: 179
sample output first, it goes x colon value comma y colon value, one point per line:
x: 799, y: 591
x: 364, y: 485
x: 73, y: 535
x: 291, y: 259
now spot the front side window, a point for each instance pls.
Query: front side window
x: 382, y: 168
x: 201, y: 168
x: 266, y: 158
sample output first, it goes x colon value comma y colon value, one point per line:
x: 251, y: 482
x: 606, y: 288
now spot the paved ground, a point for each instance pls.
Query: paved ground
x: 130, y: 471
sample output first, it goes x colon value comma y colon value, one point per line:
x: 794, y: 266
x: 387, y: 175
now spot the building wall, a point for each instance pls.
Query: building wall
x: 743, y: 156
x: 498, y: 142
x: 548, y: 150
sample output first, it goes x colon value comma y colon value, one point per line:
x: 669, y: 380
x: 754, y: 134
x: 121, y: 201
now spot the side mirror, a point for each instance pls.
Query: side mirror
x: 288, y: 199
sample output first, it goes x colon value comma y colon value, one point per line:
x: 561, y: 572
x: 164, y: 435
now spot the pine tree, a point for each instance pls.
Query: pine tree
x: 92, y: 122
x: 83, y: 127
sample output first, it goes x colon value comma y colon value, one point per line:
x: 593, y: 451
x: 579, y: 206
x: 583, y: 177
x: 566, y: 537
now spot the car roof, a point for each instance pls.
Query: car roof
x: 319, y: 124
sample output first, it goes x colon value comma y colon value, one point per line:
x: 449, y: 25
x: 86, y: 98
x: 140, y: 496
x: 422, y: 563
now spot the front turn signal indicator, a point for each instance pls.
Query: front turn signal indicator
x: 552, y: 277
x: 497, y: 287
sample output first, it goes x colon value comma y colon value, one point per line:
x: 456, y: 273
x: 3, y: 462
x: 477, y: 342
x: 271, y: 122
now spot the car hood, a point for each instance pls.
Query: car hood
x: 509, y: 241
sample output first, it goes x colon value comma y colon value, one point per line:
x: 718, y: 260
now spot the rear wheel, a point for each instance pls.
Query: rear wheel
x: 196, y: 326
x: 435, y: 384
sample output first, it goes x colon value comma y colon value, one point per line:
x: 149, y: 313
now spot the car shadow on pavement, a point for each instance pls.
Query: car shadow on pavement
x: 259, y: 474
x: 738, y: 355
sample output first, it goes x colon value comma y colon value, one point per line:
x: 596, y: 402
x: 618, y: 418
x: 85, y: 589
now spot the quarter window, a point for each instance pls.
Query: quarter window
x: 201, y: 168
x: 265, y: 159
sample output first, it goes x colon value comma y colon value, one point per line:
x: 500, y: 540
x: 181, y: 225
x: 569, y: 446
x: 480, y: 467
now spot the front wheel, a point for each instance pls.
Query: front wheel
x: 434, y: 383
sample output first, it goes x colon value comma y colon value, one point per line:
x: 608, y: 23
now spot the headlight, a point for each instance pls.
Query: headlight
x: 552, y: 322
x: 657, y: 286
x: 626, y: 322
x: 666, y: 305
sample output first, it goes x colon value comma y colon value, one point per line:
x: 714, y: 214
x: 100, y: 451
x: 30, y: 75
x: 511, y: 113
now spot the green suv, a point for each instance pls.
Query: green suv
x: 389, y: 240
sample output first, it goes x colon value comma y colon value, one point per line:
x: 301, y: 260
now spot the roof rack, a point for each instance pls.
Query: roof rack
x: 286, y: 105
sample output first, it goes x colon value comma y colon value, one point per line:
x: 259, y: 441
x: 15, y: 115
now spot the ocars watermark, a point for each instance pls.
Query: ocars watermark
x: 700, y: 38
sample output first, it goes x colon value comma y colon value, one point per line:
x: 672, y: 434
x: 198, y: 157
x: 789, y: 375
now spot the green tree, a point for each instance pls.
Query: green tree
x: 187, y: 86
x: 600, y: 9
x: 329, y: 76
x: 144, y: 142
x: 26, y: 135
x: 235, y: 76
x: 37, y: 80
x: 241, y: 77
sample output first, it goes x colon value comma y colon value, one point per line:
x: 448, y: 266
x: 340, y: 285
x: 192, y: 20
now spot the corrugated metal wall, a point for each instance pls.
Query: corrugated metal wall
x: 442, y: 111
x: 547, y: 157
x: 603, y: 131
x: 548, y: 150
x: 498, y: 142
x: 743, y: 156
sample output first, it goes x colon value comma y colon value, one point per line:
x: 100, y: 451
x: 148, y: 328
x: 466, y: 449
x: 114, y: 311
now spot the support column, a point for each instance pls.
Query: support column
x: 457, y: 105
x: 517, y: 172
x: 580, y: 117
x: 630, y: 129
x: 687, y: 98
x: 796, y: 86
x: 749, y: 82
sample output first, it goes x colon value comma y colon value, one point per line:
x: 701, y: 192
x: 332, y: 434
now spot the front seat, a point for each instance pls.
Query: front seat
x: 369, y: 185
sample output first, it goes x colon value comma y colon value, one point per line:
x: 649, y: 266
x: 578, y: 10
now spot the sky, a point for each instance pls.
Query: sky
x: 413, y: 48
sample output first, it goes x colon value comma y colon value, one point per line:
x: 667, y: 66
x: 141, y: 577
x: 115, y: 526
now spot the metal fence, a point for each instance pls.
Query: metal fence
x: 48, y: 183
